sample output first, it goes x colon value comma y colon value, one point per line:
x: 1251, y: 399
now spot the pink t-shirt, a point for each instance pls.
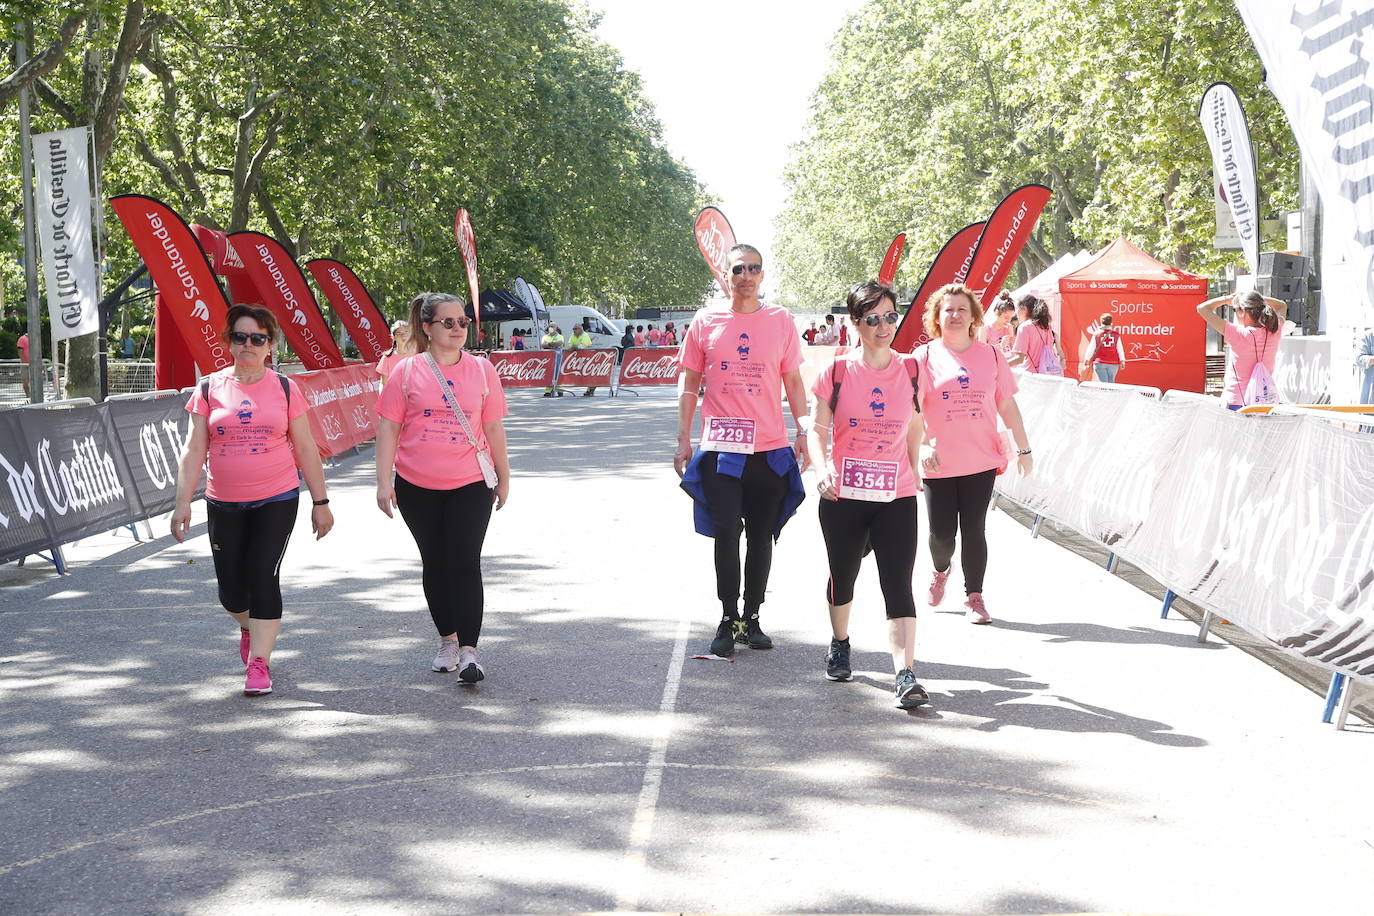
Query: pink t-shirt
x: 1031, y: 339
x: 654, y: 336
x: 387, y: 364
x: 1246, y: 344
x: 639, y: 339
x: 23, y: 347
x: 433, y: 451
x: 250, y: 456
x: 959, y: 397
x: 998, y: 337
x: 743, y: 357
x: 872, y: 414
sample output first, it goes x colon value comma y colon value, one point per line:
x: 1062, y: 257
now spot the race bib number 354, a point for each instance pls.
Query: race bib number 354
x: 871, y: 481
x: 729, y: 434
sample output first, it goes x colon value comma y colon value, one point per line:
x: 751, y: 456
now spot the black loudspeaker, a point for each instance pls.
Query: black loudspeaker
x: 1289, y: 289
x: 649, y: 314
x: 1282, y: 264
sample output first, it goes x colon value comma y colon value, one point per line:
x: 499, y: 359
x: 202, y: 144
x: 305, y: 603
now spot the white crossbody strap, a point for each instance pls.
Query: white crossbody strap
x: 451, y: 400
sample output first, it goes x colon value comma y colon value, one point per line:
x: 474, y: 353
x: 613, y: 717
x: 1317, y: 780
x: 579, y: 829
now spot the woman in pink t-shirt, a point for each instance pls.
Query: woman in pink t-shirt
x: 1000, y: 333
x: 965, y: 386
x: 440, y: 483
x: 401, y: 347
x: 1253, y: 339
x: 250, y: 425
x: 1033, y: 335
x: 866, y: 406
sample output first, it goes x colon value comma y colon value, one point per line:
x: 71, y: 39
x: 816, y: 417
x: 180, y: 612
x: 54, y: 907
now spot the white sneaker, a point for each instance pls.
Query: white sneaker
x: 470, y: 669
x: 447, y: 659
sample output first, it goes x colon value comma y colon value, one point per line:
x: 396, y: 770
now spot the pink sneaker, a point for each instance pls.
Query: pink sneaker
x: 937, y: 587
x: 259, y: 678
x: 977, y: 611
x: 243, y: 645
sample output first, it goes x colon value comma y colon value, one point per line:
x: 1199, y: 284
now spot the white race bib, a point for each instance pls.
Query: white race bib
x: 870, y: 481
x: 729, y: 434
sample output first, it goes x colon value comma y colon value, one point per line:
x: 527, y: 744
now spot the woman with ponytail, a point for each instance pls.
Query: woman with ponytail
x: 1253, y: 338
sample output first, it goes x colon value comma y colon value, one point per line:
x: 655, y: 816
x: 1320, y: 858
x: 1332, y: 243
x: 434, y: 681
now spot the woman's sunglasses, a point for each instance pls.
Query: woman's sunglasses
x: 741, y: 268
x: 243, y: 337
x: 874, y: 320
x: 452, y: 323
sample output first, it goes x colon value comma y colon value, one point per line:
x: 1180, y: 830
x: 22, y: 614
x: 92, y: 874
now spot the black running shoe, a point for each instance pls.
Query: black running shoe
x: 909, y: 693
x: 724, y: 642
x: 754, y: 636
x: 837, y: 661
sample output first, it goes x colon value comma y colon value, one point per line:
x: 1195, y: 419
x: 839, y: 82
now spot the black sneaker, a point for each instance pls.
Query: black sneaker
x: 837, y: 661
x: 909, y: 693
x: 754, y: 637
x: 724, y: 642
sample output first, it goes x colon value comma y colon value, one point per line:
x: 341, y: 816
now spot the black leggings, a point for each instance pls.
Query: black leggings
x: 248, y: 545
x: 749, y: 504
x: 849, y: 526
x: 449, y: 527
x: 961, y: 503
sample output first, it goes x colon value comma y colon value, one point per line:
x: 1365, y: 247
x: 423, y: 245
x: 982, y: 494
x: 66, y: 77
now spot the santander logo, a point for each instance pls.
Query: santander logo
x: 201, y: 310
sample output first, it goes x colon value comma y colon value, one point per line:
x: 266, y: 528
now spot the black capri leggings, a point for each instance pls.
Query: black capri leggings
x: 449, y: 527
x: 748, y: 504
x: 961, y: 503
x: 849, y: 526
x: 248, y: 545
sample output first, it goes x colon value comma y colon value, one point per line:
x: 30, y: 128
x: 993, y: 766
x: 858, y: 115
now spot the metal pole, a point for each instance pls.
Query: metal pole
x: 98, y: 242
x: 30, y: 249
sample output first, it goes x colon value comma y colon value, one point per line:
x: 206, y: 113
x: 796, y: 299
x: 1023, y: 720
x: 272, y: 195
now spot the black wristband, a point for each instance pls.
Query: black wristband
x: 322, y: 502
x: 1023, y: 451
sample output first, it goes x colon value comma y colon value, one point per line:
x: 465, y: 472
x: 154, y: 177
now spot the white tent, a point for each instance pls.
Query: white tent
x: 1046, y: 283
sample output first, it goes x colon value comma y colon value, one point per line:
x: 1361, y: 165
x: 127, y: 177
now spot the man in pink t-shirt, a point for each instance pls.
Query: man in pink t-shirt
x: 744, y: 474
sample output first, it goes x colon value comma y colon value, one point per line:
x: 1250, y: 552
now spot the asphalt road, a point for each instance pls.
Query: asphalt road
x: 1079, y: 755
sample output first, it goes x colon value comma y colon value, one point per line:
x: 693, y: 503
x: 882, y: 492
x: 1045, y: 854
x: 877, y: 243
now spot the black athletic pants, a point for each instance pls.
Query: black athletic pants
x: 449, y: 527
x: 960, y: 504
x: 748, y: 504
x: 248, y: 545
x: 849, y: 526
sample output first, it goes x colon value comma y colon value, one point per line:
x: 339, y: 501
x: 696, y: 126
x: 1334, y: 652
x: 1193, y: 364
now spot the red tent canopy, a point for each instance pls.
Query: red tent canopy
x: 1153, y: 309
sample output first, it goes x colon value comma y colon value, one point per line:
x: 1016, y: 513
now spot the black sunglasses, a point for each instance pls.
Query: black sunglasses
x: 874, y: 320
x: 451, y: 323
x: 243, y: 337
x: 741, y: 268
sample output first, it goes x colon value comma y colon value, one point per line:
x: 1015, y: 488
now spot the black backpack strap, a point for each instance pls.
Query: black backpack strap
x: 914, y: 371
x: 834, y: 385
x: 205, y: 389
x: 286, y: 390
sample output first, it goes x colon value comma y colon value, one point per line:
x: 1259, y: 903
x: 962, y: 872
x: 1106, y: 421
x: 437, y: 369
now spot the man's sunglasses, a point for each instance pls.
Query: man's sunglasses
x: 452, y: 323
x: 243, y: 337
x: 874, y: 320
x: 741, y: 268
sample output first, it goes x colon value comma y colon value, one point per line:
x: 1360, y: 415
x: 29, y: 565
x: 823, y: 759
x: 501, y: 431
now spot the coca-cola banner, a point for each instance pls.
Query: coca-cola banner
x: 891, y: 260
x: 279, y: 280
x: 343, y: 406
x: 715, y: 238
x: 523, y: 368
x: 649, y: 366
x: 587, y: 367
x: 353, y: 304
x: 1001, y: 241
x: 193, y: 298
x: 950, y: 266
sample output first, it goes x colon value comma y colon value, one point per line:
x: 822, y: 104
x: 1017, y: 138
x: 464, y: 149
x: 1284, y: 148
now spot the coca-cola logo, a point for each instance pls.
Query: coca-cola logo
x: 662, y: 368
x: 525, y: 370
x: 596, y: 362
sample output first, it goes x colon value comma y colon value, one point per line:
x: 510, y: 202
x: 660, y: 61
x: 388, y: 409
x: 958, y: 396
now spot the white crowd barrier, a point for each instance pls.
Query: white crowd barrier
x: 1267, y: 521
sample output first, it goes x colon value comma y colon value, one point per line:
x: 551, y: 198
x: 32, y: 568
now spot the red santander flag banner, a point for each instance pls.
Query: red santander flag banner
x: 467, y: 247
x: 343, y: 406
x: 587, y: 367
x: 186, y: 284
x: 888, y: 272
x: 650, y: 366
x: 353, y: 304
x: 227, y: 263
x: 950, y: 266
x: 715, y: 238
x: 524, y: 368
x: 281, y: 284
x: 1003, y: 238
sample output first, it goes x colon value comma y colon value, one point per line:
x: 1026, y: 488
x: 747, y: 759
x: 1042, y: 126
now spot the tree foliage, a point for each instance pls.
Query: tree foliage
x: 357, y: 129
x: 933, y: 110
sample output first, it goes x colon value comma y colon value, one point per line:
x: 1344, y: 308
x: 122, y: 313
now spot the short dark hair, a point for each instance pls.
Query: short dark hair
x: 264, y: 318
x: 1105, y: 320
x: 864, y: 298
x: 744, y: 249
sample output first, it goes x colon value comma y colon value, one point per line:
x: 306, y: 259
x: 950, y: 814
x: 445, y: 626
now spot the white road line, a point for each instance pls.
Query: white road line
x: 642, y: 827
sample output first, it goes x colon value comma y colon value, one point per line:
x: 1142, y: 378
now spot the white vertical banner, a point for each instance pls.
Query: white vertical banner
x: 63, y: 167
x: 1233, y: 164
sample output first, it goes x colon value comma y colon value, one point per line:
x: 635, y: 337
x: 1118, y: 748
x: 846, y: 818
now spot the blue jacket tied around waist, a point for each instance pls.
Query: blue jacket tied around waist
x: 782, y: 461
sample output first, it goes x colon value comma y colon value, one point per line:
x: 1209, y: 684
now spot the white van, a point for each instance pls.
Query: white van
x: 605, y: 332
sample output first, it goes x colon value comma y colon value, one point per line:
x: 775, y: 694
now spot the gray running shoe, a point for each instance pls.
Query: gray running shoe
x: 909, y: 693
x: 447, y: 659
x: 837, y: 661
x: 470, y: 669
